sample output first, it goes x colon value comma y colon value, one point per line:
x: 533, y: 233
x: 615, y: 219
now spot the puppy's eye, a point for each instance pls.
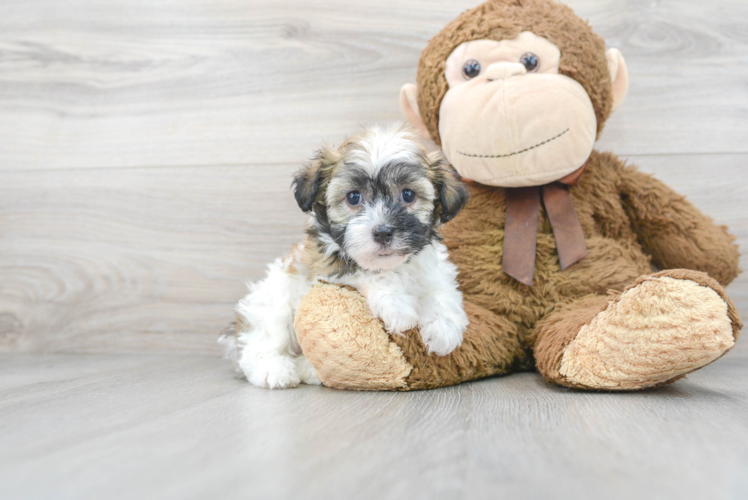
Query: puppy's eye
x: 353, y: 198
x: 407, y: 196
x: 530, y: 61
x: 471, y: 69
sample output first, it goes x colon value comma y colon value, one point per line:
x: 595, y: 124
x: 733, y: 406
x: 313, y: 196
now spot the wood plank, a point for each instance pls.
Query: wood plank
x: 137, y: 83
x: 654, y: 444
x: 136, y: 259
x: 118, y: 426
x: 153, y: 259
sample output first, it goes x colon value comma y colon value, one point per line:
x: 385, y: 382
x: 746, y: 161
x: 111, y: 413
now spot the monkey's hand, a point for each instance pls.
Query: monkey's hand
x: 674, y: 232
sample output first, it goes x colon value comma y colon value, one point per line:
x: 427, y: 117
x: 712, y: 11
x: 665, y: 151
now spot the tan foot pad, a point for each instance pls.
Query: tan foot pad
x: 348, y: 347
x: 659, y: 329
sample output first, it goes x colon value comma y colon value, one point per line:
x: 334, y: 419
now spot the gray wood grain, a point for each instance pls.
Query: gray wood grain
x: 119, y: 426
x: 112, y: 260
x: 135, y: 83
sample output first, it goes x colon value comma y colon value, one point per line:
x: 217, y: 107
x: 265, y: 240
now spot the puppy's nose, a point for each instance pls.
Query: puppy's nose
x: 383, y: 234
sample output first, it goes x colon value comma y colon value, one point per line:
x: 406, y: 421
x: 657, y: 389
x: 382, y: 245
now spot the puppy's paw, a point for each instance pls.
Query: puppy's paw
x: 271, y: 371
x: 398, y: 317
x: 442, y: 334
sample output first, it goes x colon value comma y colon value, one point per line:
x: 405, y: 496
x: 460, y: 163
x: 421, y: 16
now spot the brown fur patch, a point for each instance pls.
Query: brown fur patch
x: 310, y: 183
x: 452, y: 194
x: 315, y: 262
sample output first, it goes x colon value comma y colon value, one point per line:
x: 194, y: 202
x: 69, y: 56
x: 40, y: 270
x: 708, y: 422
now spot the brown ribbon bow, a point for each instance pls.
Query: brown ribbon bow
x: 521, y: 227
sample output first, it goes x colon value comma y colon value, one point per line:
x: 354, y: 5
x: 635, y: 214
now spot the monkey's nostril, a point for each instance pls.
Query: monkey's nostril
x: 383, y: 234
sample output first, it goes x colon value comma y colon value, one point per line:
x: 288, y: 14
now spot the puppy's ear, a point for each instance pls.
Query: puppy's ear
x: 310, y: 182
x: 451, y: 191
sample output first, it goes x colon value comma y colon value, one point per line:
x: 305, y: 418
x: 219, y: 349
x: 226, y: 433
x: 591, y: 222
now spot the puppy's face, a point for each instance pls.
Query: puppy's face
x: 378, y: 198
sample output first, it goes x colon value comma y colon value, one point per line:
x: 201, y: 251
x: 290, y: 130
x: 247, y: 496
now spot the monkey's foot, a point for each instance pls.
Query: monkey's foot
x: 350, y: 349
x: 661, y: 328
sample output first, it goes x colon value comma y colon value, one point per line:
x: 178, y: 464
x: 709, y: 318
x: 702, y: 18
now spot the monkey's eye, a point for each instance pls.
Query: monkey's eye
x: 530, y: 61
x: 353, y: 198
x: 407, y: 196
x: 471, y: 69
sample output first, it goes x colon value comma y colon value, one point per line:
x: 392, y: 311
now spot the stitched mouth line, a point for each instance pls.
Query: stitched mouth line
x: 516, y: 152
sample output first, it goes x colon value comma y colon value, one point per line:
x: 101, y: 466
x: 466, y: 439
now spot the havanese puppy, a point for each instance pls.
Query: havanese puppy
x: 376, y: 205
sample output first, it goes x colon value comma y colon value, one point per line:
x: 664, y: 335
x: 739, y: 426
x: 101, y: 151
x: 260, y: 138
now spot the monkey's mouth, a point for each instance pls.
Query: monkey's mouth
x: 516, y: 152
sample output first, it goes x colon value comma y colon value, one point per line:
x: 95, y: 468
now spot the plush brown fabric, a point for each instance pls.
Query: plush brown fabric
x: 491, y: 347
x: 582, y: 51
x: 347, y: 346
x: 555, y: 332
x: 514, y: 326
x: 689, y: 341
x: 673, y: 232
x: 614, y: 260
x: 704, y: 280
x: 616, y: 254
x: 350, y: 349
x: 631, y: 222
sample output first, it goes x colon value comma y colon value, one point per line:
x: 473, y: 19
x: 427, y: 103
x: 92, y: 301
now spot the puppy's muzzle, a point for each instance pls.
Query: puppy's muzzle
x: 383, y: 234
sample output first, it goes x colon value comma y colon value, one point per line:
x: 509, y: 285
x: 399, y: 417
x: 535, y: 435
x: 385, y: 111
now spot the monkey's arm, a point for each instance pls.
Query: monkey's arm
x: 674, y: 232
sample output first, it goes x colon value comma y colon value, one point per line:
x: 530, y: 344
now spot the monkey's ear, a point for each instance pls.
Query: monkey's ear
x: 452, y: 193
x: 310, y: 179
x: 409, y: 107
x: 619, y: 75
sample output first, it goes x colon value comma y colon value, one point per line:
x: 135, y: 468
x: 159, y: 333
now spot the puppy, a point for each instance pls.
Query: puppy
x: 376, y: 204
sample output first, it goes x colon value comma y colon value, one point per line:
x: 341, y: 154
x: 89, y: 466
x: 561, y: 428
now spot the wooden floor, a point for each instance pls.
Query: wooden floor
x: 146, y: 149
x: 182, y: 427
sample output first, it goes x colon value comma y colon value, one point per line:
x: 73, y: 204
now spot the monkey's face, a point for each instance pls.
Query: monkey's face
x: 509, y: 118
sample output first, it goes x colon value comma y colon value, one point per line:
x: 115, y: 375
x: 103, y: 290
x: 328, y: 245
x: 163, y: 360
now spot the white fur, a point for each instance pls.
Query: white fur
x: 421, y: 292
x: 361, y: 246
x: 383, y: 144
x: 269, y: 354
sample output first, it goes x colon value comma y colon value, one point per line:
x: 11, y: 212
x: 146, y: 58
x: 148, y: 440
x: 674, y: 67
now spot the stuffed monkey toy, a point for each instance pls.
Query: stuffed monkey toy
x: 557, y: 246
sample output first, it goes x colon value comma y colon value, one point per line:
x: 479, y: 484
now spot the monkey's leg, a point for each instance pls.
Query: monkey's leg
x: 661, y: 328
x: 350, y: 349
